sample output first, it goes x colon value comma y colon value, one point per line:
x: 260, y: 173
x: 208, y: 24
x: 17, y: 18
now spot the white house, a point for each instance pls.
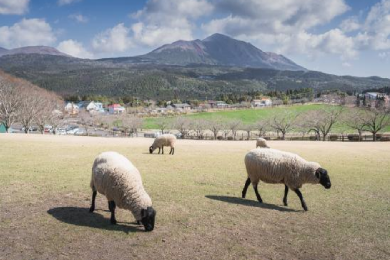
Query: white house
x: 95, y: 106
x: 221, y: 104
x: 264, y: 102
x: 72, y: 108
x: 115, y: 109
x: 184, y: 106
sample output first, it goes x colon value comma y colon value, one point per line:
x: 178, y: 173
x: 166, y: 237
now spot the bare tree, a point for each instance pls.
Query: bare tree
x: 183, y: 125
x: 86, y: 119
x: 329, y: 116
x: 225, y: 129
x: 248, y: 129
x: 162, y: 123
x: 56, y: 119
x: 283, y: 122
x: 48, y: 114
x: 262, y: 127
x: 215, y: 126
x: 309, y: 122
x: 234, y: 126
x: 356, y: 119
x: 199, y: 126
x: 321, y: 121
x: 33, y: 101
x: 132, y: 124
x: 10, y: 100
x: 376, y: 120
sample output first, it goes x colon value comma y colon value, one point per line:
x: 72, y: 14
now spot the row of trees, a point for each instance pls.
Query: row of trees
x: 320, y: 122
x: 27, y: 104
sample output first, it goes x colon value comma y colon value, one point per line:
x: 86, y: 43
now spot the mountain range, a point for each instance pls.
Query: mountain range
x: 198, y: 69
x: 217, y: 49
x: 45, y: 50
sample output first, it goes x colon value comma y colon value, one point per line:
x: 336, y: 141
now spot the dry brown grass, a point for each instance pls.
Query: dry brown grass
x: 45, y: 196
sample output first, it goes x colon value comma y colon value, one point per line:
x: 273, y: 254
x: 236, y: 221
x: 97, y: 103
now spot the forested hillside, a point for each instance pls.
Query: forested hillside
x: 72, y: 76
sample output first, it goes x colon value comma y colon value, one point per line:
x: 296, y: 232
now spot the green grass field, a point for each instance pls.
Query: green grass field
x: 45, y: 196
x: 251, y: 116
x: 247, y: 116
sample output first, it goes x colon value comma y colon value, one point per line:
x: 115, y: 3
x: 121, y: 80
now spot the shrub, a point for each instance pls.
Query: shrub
x: 333, y: 137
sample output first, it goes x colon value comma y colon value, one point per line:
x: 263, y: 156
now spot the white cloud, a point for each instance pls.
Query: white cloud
x: 152, y: 35
x: 79, y: 18
x: 74, y: 48
x: 350, y: 24
x: 282, y: 16
x: 376, y: 29
x: 113, y: 40
x: 14, y: 6
x: 165, y: 21
x: 346, y: 64
x: 27, y: 32
x: 384, y: 56
x: 284, y: 25
x: 67, y: 2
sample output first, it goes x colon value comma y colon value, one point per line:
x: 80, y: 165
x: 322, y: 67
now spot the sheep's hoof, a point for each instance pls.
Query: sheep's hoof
x: 285, y: 204
x: 113, y: 221
x: 305, y: 208
x: 91, y: 209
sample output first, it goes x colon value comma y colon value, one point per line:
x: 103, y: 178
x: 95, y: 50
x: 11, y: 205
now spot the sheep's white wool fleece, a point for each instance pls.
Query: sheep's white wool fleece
x: 114, y: 176
x: 164, y: 140
x: 262, y: 143
x: 274, y: 166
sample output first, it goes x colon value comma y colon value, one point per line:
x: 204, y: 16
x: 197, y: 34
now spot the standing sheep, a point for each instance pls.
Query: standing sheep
x: 262, y: 143
x: 274, y: 166
x: 117, y: 178
x: 163, y: 140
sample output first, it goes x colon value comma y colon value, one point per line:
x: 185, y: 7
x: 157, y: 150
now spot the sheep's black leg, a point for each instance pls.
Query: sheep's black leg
x: 248, y: 181
x: 172, y: 150
x: 285, y: 195
x: 162, y: 148
x: 92, y: 208
x: 298, y: 192
x: 112, y: 206
x: 257, y: 193
x: 159, y: 149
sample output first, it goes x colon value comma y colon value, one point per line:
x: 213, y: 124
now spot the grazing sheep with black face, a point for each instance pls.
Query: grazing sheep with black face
x: 274, y: 166
x: 262, y: 143
x: 163, y: 140
x: 117, y: 178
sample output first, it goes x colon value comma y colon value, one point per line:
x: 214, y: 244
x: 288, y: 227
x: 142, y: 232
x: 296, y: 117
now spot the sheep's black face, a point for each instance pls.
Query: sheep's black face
x: 322, y: 174
x: 151, y: 149
x: 148, y: 217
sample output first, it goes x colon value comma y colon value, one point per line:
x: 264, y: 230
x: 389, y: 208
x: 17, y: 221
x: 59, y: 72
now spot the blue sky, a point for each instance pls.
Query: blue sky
x: 342, y: 37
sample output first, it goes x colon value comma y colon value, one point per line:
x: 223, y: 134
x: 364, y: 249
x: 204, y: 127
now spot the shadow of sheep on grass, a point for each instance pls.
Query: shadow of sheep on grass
x: 235, y: 200
x: 81, y: 217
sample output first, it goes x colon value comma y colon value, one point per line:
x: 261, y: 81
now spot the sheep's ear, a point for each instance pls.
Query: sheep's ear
x: 318, y: 173
x: 143, y: 213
